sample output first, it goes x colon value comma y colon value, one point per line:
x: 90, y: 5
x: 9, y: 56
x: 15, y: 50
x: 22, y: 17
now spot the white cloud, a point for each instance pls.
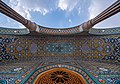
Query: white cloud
x: 97, y: 6
x: 17, y: 6
x: 110, y: 22
x: 24, y: 7
x: 63, y: 5
x: 7, y: 22
x: 94, y: 9
x: 70, y: 20
x: 68, y: 5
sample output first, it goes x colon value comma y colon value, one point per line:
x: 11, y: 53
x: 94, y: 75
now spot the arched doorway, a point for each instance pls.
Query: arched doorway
x: 59, y: 76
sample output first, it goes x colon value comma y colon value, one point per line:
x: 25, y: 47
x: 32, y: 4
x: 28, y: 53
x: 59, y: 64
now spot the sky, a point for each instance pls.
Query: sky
x: 59, y: 13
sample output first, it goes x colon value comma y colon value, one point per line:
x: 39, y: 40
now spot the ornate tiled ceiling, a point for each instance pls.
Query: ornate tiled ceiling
x: 102, y: 48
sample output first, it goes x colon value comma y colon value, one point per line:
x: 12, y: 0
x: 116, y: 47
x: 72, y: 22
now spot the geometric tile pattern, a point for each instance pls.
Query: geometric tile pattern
x: 28, y: 70
x: 105, y: 31
x: 11, y: 72
x: 115, y: 44
x: 8, y: 31
x: 64, y: 31
x: 106, y: 73
x: 21, y: 56
x: 58, y: 67
x: 61, y: 48
x: 99, y: 48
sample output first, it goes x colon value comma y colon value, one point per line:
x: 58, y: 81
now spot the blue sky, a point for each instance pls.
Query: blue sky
x: 59, y: 13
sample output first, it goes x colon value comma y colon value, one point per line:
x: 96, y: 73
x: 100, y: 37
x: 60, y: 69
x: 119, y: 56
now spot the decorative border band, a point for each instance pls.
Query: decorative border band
x: 8, y: 31
x: 115, y: 30
x: 38, y: 71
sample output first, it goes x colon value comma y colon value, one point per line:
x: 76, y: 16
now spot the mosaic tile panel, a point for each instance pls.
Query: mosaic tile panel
x: 56, y: 31
x: 98, y: 56
x: 105, y: 73
x: 69, y: 67
x: 59, y: 48
x: 9, y: 31
x: 13, y: 73
x: 106, y: 31
x: 100, y: 48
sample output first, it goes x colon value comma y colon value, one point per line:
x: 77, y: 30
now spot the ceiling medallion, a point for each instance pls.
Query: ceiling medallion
x: 59, y: 76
